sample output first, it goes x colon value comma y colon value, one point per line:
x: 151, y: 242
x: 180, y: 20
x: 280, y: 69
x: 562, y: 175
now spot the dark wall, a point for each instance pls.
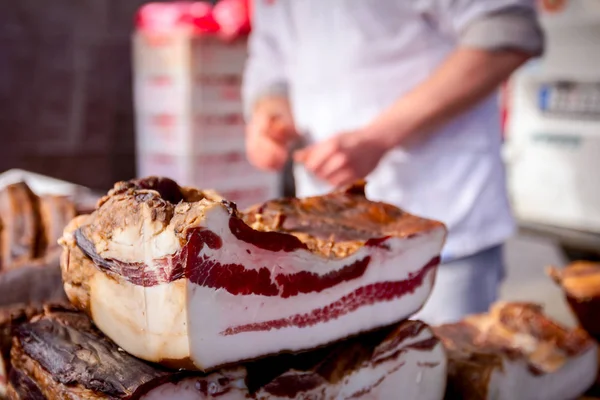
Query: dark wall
x: 65, y: 89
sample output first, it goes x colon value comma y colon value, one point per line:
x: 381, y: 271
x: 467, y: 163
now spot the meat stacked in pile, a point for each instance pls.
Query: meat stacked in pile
x: 189, y: 298
x: 30, y: 274
x: 516, y: 352
x: 175, y: 294
x: 30, y: 227
x: 580, y: 282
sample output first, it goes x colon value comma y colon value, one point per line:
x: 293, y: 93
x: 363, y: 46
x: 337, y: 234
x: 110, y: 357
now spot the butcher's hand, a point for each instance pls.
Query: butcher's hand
x: 343, y: 158
x: 270, y: 133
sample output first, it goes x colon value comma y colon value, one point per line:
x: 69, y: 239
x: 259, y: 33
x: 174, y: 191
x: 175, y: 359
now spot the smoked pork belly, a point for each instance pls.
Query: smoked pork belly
x: 516, y: 352
x: 30, y: 227
x: 181, y: 277
x: 32, y: 282
x: 580, y: 282
x: 62, y: 355
x: 11, y: 317
x: 55, y: 213
x: 20, y: 229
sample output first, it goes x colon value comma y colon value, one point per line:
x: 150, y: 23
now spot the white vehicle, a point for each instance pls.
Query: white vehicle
x: 553, y: 130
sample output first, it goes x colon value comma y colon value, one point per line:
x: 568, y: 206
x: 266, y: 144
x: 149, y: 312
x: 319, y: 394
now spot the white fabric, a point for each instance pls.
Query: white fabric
x: 344, y: 62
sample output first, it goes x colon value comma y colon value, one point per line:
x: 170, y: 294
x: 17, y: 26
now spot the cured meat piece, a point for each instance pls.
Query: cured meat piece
x: 10, y: 318
x: 30, y: 225
x: 516, y: 352
x: 30, y: 255
x: 20, y: 225
x: 55, y: 213
x: 580, y: 282
x: 61, y: 355
x: 33, y: 282
x: 182, y: 278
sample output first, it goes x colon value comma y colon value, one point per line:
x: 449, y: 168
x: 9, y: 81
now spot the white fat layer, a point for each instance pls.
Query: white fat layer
x: 220, y: 308
x: 515, y: 381
x: 416, y: 374
x: 148, y: 322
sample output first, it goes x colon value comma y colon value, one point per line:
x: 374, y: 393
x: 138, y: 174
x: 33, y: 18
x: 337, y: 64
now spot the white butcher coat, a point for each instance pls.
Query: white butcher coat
x: 343, y: 62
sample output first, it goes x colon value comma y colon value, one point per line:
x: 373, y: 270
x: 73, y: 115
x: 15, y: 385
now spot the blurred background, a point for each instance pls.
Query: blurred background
x: 66, y: 89
x: 96, y: 91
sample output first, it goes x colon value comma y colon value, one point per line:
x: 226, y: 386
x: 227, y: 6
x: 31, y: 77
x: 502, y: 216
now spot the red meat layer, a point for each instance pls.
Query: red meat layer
x: 366, y: 295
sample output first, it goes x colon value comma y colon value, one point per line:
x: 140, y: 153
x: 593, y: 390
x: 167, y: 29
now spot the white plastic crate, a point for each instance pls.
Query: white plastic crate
x: 189, y: 114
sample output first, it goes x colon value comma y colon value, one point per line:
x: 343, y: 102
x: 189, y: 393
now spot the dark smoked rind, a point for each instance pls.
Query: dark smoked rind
x: 55, y: 213
x: 10, y: 318
x: 65, y: 356
x: 474, y: 355
x: 20, y: 235
x: 67, y: 349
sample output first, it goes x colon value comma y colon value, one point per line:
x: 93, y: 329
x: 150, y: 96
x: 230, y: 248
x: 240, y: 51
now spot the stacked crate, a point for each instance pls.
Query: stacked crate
x: 189, y: 114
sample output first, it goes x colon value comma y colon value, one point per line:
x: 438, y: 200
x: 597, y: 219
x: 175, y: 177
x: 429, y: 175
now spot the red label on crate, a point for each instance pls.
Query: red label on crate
x: 220, y: 120
x: 219, y: 87
x: 160, y: 80
x: 223, y: 158
x: 164, y: 125
x: 163, y: 120
x: 230, y: 94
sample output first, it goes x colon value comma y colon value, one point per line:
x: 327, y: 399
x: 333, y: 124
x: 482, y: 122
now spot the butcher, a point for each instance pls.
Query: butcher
x: 404, y: 94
